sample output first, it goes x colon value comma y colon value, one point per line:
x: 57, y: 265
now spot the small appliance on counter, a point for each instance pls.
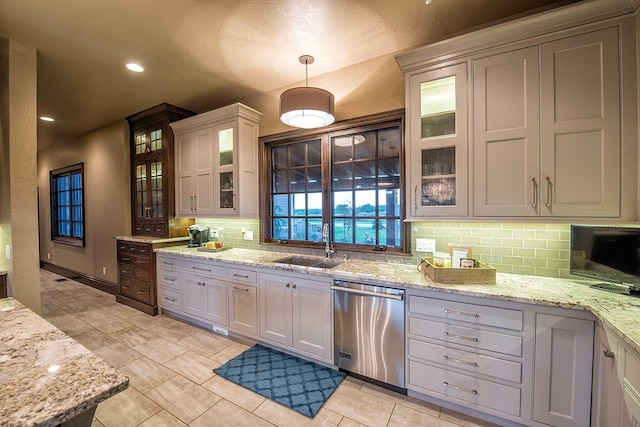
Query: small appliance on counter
x: 198, y: 235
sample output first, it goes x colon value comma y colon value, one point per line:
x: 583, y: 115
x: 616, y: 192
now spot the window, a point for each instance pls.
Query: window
x: 67, y: 204
x: 347, y: 175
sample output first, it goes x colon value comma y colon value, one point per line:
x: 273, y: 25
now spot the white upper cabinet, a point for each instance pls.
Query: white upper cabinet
x: 580, y: 125
x: 216, y: 162
x: 437, y: 129
x: 506, y: 129
x: 551, y: 122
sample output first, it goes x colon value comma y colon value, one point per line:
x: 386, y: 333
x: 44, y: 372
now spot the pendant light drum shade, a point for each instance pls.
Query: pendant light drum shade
x: 307, y: 107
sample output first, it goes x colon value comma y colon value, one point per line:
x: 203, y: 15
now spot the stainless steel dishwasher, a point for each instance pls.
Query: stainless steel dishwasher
x: 369, y: 331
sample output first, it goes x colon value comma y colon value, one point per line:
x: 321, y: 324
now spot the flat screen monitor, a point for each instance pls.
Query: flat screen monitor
x: 610, y: 254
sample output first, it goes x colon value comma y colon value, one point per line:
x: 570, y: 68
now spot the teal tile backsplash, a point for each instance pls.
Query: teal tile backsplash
x: 521, y: 248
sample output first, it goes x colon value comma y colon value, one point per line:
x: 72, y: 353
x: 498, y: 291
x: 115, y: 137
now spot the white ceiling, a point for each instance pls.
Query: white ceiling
x: 202, y: 54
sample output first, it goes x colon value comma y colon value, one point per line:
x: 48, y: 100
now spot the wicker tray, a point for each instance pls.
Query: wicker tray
x: 224, y: 248
x: 481, y: 274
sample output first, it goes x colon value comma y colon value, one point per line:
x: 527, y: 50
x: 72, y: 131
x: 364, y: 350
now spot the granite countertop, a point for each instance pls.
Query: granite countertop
x: 32, y: 391
x: 151, y: 239
x: 621, y: 313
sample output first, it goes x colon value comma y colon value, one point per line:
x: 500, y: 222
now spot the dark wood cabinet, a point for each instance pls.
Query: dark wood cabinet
x: 152, y: 172
x: 137, y: 272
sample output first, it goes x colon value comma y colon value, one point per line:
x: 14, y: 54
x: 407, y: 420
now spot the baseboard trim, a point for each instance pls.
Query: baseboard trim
x: 94, y: 282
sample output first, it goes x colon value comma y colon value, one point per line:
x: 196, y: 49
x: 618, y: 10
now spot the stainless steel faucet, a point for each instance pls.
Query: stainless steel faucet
x: 328, y: 247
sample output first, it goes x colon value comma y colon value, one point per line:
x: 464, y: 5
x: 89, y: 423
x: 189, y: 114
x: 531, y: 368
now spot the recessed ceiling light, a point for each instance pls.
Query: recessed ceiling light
x: 135, y: 67
x: 46, y: 119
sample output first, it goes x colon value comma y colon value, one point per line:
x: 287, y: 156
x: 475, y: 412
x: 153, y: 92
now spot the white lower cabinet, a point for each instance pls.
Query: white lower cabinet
x: 607, y: 393
x: 205, y: 297
x: 563, y: 364
x: 296, y: 312
x: 242, y: 292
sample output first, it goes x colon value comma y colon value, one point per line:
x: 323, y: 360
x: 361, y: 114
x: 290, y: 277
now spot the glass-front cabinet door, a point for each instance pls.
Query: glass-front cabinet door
x: 438, y: 143
x: 225, y: 156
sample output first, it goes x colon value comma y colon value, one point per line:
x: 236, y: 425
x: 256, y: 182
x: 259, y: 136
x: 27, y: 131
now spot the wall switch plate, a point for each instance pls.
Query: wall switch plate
x: 248, y: 235
x: 219, y: 330
x: 7, y: 251
x: 425, y: 245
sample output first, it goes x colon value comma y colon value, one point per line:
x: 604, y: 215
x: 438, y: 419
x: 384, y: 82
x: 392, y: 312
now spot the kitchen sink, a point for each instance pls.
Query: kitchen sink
x: 309, y: 262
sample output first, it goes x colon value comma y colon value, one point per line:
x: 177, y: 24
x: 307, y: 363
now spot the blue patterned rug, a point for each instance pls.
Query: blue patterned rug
x: 302, y: 386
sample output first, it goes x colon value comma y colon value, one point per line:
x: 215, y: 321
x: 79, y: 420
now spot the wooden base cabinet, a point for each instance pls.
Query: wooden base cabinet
x: 137, y: 273
x: 296, y: 312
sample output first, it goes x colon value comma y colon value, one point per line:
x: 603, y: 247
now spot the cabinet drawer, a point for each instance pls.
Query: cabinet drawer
x: 167, y: 262
x: 203, y: 268
x: 125, y: 257
x: 471, y: 313
x: 126, y: 286
x: 141, y: 291
x: 141, y: 274
x: 144, y: 250
x: 468, y: 361
x: 170, y: 299
x: 484, y: 393
x: 243, y: 276
x: 154, y: 229
x: 632, y: 371
x: 126, y: 247
x: 470, y: 337
x: 126, y: 270
x: 142, y: 261
x: 169, y: 279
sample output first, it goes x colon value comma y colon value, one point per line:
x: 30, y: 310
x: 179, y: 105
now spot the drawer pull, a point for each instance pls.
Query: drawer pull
x: 125, y: 259
x: 461, y: 313
x: 461, y: 337
x: 240, y: 289
x: 168, y: 279
x: 202, y: 269
x: 240, y: 275
x: 167, y: 263
x: 466, y: 390
x: 609, y: 353
x: 464, y: 362
x: 169, y: 299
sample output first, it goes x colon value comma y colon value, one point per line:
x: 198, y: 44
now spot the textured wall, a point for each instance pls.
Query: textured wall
x: 105, y: 153
x: 18, y: 179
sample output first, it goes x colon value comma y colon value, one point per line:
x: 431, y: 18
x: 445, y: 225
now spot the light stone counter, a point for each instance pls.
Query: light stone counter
x: 619, y: 312
x: 151, y: 239
x: 32, y: 391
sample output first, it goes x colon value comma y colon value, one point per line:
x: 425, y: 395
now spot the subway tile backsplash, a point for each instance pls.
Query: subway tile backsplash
x: 521, y: 248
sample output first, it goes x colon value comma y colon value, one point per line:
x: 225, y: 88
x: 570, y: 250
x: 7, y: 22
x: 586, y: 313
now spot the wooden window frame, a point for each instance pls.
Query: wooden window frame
x: 377, y: 121
x: 67, y: 239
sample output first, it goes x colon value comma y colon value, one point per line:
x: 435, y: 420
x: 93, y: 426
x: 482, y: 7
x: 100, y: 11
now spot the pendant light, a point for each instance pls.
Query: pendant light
x: 306, y: 107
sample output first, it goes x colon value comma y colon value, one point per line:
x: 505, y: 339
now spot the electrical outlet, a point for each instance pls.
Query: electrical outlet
x: 219, y: 330
x: 48, y: 255
x: 248, y: 235
x: 7, y: 251
x: 425, y: 245
x: 213, y: 233
x: 104, y: 270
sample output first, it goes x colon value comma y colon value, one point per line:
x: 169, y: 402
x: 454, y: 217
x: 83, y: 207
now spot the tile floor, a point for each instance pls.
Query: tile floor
x: 170, y: 366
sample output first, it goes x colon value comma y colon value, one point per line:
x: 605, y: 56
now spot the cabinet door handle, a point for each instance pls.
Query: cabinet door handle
x: 549, y: 193
x: 288, y: 285
x: 415, y: 198
x: 202, y: 269
x: 234, y: 201
x: 466, y: 390
x: 609, y: 353
x: 240, y: 275
x: 461, y: 313
x: 240, y: 289
x: 534, y: 205
x: 464, y: 362
x: 461, y: 337
x: 169, y: 299
x: 195, y: 203
x: 295, y: 286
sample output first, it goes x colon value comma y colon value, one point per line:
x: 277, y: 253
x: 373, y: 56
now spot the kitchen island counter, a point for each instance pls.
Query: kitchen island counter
x: 618, y: 312
x: 46, y: 377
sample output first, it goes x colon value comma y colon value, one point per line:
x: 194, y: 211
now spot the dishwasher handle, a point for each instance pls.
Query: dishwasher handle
x: 368, y: 293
